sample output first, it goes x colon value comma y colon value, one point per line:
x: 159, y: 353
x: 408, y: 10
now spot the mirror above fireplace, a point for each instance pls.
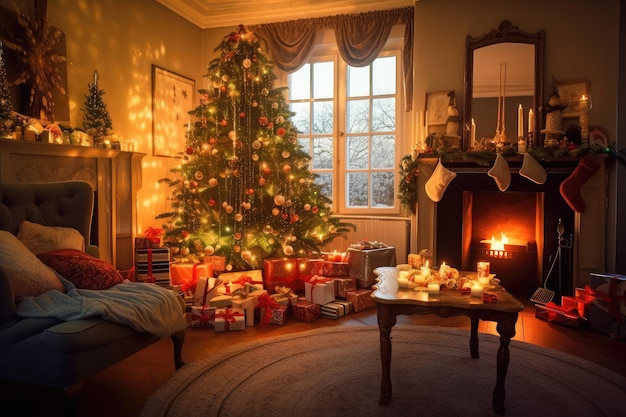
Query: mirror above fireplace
x: 507, y: 58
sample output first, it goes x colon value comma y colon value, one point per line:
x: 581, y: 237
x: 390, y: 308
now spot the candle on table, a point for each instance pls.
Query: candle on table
x: 531, y: 121
x: 433, y: 288
x: 521, y: 145
x: 403, y: 279
x: 520, y: 121
x: 482, y: 269
x: 477, y: 291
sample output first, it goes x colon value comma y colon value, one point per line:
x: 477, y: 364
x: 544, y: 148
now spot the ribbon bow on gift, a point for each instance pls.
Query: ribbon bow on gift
x: 229, y: 316
x: 242, y: 280
x: 613, y: 299
x: 154, y: 234
x: 316, y: 280
x: 268, y: 303
x: 286, y: 291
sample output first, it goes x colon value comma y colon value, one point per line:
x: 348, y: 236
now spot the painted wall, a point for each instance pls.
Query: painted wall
x: 122, y: 39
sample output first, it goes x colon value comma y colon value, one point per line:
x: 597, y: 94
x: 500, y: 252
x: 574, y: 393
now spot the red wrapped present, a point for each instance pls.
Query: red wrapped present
x: 310, y: 267
x: 282, y: 272
x: 335, y: 269
x: 343, y: 285
x: 227, y: 319
x: 266, y: 305
x: 276, y: 315
x: 557, y: 314
x: 361, y: 299
x: 306, y: 311
x: 577, y: 304
x: 186, y: 274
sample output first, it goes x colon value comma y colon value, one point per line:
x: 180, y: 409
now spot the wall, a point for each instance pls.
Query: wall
x: 121, y: 40
x: 581, y: 41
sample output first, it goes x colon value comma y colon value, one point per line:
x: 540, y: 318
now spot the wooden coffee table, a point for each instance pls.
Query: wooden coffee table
x: 392, y: 301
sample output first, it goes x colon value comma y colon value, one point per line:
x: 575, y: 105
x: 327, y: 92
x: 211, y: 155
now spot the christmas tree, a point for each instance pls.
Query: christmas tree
x: 6, y: 120
x: 97, y: 121
x: 244, y: 190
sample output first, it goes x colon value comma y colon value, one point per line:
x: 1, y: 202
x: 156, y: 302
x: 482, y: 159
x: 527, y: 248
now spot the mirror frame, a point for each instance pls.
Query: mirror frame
x: 506, y: 32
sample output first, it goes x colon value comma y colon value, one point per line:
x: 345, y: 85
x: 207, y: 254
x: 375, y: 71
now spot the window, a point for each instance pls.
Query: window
x: 347, y: 119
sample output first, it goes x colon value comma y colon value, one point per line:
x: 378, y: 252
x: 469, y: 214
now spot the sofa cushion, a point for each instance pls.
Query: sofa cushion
x: 82, y: 270
x: 39, y: 238
x: 84, y: 334
x: 27, y: 274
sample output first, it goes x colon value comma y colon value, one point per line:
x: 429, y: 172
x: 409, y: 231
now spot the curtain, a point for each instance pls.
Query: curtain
x: 360, y: 38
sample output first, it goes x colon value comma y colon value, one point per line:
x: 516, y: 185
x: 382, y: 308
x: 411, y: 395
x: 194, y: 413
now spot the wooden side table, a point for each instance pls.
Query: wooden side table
x: 392, y: 301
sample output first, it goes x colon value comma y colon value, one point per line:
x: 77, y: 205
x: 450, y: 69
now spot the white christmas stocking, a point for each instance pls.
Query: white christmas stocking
x: 438, y: 182
x: 501, y: 172
x: 532, y: 169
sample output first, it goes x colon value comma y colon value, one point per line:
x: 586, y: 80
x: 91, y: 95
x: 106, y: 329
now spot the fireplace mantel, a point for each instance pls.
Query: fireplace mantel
x: 589, y: 228
x: 114, y: 175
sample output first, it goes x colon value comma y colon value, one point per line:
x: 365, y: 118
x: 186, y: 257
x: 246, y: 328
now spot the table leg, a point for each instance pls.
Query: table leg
x: 506, y: 329
x: 474, y: 337
x: 386, y: 321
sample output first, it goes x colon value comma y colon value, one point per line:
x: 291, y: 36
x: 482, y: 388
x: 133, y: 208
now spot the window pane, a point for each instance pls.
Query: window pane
x: 305, y: 143
x: 383, y: 75
x: 357, y: 190
x: 383, y: 151
x: 325, y: 181
x: 301, y: 119
x: 358, y: 81
x: 384, y: 115
x: 300, y: 83
x: 323, y: 79
x: 358, y: 116
x: 323, y: 153
x: 323, y: 117
x: 357, y: 151
x: 383, y: 194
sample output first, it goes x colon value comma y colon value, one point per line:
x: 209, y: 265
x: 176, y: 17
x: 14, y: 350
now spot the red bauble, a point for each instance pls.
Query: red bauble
x: 223, y: 122
x: 314, y: 209
x: 184, y: 234
x: 281, y: 131
x: 242, y: 115
x: 212, y: 202
x: 190, y: 150
x: 250, y: 191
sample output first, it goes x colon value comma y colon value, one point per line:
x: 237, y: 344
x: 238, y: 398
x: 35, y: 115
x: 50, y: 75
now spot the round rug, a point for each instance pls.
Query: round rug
x: 336, y: 372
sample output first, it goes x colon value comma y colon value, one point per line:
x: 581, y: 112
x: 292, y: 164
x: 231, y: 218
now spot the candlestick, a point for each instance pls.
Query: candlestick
x: 520, y: 121
x: 521, y: 145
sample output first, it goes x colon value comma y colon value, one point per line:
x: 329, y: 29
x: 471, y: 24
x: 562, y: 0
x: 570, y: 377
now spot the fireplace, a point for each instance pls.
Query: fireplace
x: 459, y: 228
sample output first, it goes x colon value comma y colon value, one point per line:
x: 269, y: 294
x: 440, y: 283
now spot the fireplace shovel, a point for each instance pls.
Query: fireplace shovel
x: 544, y: 295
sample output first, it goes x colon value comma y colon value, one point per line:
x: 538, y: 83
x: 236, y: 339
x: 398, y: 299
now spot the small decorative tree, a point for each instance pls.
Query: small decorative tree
x: 244, y: 190
x: 97, y: 120
x: 6, y: 119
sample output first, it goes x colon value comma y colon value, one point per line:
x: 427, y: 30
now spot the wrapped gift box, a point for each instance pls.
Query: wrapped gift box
x: 310, y: 267
x: 319, y: 290
x: 202, y: 316
x: 283, y: 272
x: 557, y: 314
x: 186, y: 274
x: 343, y: 285
x: 232, y: 281
x: 229, y: 319
x: 607, y: 310
x: 217, y: 262
x: 362, y: 262
x: 278, y: 315
x: 287, y: 293
x: 146, y: 243
x: 361, y: 299
x: 248, y: 304
x: 221, y: 301
x: 153, y: 265
x: 205, y: 290
x: 306, y: 311
x: 333, y: 310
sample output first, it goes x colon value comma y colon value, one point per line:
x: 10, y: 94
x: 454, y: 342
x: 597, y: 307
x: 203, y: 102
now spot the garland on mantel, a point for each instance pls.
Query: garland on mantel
x: 409, y: 164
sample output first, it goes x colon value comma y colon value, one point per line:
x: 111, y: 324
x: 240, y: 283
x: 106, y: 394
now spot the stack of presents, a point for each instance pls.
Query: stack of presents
x: 328, y: 285
x: 600, y: 306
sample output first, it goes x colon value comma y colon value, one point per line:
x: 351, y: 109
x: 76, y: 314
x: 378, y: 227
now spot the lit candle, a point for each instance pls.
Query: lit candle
x: 403, y: 279
x: 531, y: 121
x: 482, y: 269
x: 520, y: 122
x: 473, y: 133
x: 433, y: 288
x: 477, y: 291
x: 521, y: 145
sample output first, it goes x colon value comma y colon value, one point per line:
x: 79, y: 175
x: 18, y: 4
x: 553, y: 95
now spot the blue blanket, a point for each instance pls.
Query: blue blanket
x: 144, y: 307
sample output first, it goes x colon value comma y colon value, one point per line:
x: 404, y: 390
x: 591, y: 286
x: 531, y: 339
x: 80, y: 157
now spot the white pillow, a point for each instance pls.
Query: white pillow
x: 27, y: 274
x: 39, y: 238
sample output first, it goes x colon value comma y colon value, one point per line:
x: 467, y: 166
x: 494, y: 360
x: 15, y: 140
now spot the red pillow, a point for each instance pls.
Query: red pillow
x: 82, y: 270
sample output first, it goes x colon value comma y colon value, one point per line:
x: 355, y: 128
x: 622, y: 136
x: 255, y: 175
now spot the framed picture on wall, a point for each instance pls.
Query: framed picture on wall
x: 172, y: 99
x: 436, y: 110
x: 575, y: 95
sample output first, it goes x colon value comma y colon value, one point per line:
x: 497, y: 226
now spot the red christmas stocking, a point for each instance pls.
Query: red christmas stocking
x: 570, y: 188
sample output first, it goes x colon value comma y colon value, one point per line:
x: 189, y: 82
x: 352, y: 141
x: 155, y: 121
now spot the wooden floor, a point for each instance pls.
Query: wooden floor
x: 121, y: 390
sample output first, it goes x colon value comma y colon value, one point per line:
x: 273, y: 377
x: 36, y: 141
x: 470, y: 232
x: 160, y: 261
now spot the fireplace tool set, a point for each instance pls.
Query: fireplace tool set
x: 545, y: 295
